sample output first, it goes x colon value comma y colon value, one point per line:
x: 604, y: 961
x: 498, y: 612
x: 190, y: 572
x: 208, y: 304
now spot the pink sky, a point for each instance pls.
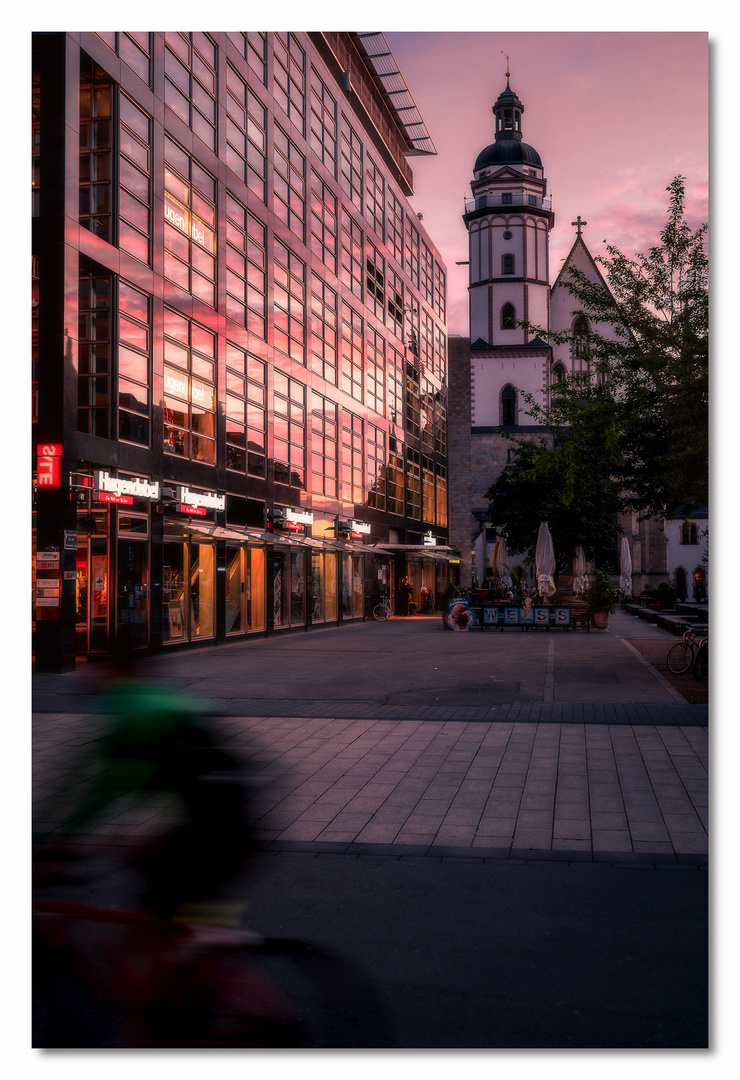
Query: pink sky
x: 614, y: 116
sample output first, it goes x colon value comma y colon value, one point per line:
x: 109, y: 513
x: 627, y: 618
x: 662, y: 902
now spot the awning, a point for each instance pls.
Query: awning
x: 441, y: 553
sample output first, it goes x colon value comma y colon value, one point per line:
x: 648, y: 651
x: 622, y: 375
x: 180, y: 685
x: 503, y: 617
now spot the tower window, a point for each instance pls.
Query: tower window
x: 508, y: 406
x: 508, y: 317
x: 506, y: 197
x: 507, y: 264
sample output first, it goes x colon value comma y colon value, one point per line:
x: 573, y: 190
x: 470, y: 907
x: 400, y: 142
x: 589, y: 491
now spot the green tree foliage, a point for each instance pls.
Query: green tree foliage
x: 649, y: 369
x: 569, y: 485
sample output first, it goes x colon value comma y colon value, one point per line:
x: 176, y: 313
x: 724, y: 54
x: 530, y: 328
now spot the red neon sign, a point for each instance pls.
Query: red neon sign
x: 121, y: 500
x: 199, y: 510
x: 49, y: 465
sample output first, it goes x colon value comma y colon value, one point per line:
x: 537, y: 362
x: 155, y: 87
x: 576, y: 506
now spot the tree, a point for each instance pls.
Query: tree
x: 652, y: 366
x: 570, y: 486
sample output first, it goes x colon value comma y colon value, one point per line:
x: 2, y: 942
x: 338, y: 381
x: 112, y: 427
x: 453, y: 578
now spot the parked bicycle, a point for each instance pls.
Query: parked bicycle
x: 700, y: 666
x: 378, y: 607
x: 681, y: 655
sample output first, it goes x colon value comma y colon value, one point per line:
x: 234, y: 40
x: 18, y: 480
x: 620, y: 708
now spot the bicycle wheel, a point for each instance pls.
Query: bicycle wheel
x: 381, y: 612
x: 701, y: 664
x: 680, y: 658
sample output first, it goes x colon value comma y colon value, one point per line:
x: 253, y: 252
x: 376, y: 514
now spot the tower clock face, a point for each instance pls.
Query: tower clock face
x: 507, y: 235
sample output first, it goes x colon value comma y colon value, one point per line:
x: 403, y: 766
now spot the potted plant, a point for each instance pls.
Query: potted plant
x: 602, y: 597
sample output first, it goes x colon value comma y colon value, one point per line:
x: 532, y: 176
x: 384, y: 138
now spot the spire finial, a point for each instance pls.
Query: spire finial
x: 508, y: 72
x: 579, y: 224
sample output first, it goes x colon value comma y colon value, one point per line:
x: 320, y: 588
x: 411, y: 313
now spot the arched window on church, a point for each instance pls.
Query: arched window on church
x: 508, y: 317
x: 558, y: 375
x: 579, y: 347
x: 508, y: 406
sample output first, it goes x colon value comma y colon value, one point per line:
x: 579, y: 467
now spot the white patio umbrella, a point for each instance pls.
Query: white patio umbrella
x: 579, y: 570
x: 544, y: 561
x: 625, y: 568
x: 500, y: 559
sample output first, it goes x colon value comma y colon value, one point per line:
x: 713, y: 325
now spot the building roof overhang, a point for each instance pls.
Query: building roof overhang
x: 383, y: 67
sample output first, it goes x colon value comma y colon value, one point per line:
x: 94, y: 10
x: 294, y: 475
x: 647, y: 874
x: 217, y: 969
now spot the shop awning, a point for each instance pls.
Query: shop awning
x: 437, y: 553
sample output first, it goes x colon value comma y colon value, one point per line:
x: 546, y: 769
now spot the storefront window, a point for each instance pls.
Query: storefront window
x: 352, y: 587
x: 133, y: 592
x: 173, y: 593
x: 357, y: 593
x: 297, y: 587
x: 280, y: 590
x: 317, y: 588
x: 91, y: 577
x: 203, y: 591
x: 245, y: 589
x: 330, y: 587
x: 188, y: 591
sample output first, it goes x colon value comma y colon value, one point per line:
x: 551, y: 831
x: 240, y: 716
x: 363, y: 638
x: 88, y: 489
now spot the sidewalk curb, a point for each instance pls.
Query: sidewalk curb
x: 669, y: 689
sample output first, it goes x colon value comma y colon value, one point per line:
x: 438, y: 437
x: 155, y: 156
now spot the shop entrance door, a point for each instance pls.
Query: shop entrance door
x: 91, y: 608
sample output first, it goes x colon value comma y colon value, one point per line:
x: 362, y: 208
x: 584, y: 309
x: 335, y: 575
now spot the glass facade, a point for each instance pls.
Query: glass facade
x: 254, y: 322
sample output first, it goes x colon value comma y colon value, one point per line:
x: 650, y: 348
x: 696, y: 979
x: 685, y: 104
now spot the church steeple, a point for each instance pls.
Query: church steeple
x: 508, y: 111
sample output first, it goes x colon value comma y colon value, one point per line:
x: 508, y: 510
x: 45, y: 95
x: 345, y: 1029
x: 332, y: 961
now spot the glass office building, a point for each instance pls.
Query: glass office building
x: 239, y: 339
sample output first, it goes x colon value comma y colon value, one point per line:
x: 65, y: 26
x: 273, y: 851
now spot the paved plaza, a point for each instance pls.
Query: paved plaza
x: 403, y: 739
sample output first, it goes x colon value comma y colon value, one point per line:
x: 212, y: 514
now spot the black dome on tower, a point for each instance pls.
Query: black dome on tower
x: 509, y: 145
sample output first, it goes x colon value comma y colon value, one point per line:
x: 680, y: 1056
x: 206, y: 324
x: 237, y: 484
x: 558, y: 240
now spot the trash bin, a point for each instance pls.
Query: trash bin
x: 413, y: 608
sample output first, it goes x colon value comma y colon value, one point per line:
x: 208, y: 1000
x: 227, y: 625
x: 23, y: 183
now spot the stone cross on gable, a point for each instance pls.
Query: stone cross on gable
x: 579, y: 224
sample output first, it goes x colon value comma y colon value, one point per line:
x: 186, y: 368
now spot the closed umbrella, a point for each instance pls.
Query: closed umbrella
x: 579, y: 570
x: 625, y: 568
x: 500, y: 559
x: 544, y: 561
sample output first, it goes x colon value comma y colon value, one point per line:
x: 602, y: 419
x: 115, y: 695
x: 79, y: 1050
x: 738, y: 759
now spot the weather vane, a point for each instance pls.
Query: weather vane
x: 508, y: 58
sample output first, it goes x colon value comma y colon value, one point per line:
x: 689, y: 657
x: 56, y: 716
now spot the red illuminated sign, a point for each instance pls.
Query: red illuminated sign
x: 199, y: 510
x: 49, y: 465
x: 121, y: 500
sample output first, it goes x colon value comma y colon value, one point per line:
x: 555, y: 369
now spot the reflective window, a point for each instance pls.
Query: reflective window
x: 375, y: 481
x: 190, y: 82
x: 245, y: 268
x: 189, y: 389
x: 375, y: 198
x: 245, y: 412
x: 323, y: 239
x: 290, y: 78
x: 134, y: 351
x: 289, y: 430
x: 353, y: 460
x: 323, y: 330
x: 289, y: 183
x: 323, y: 446
x: 190, y: 224
x: 352, y: 338
x: 351, y: 166
x: 96, y: 149
x: 289, y: 303
x: 324, y: 125
x: 135, y: 191
x: 94, y: 351
x: 246, y: 138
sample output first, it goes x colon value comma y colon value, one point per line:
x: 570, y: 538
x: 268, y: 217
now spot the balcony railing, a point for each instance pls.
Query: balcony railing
x: 517, y: 199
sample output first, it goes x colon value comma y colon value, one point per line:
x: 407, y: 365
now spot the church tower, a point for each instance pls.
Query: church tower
x: 508, y: 219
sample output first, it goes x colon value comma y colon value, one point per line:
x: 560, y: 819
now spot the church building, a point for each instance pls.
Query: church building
x: 509, y: 217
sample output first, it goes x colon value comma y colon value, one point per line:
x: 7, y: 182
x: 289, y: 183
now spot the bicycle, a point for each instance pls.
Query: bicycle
x: 700, y: 666
x: 378, y: 607
x: 681, y: 655
x: 109, y: 978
